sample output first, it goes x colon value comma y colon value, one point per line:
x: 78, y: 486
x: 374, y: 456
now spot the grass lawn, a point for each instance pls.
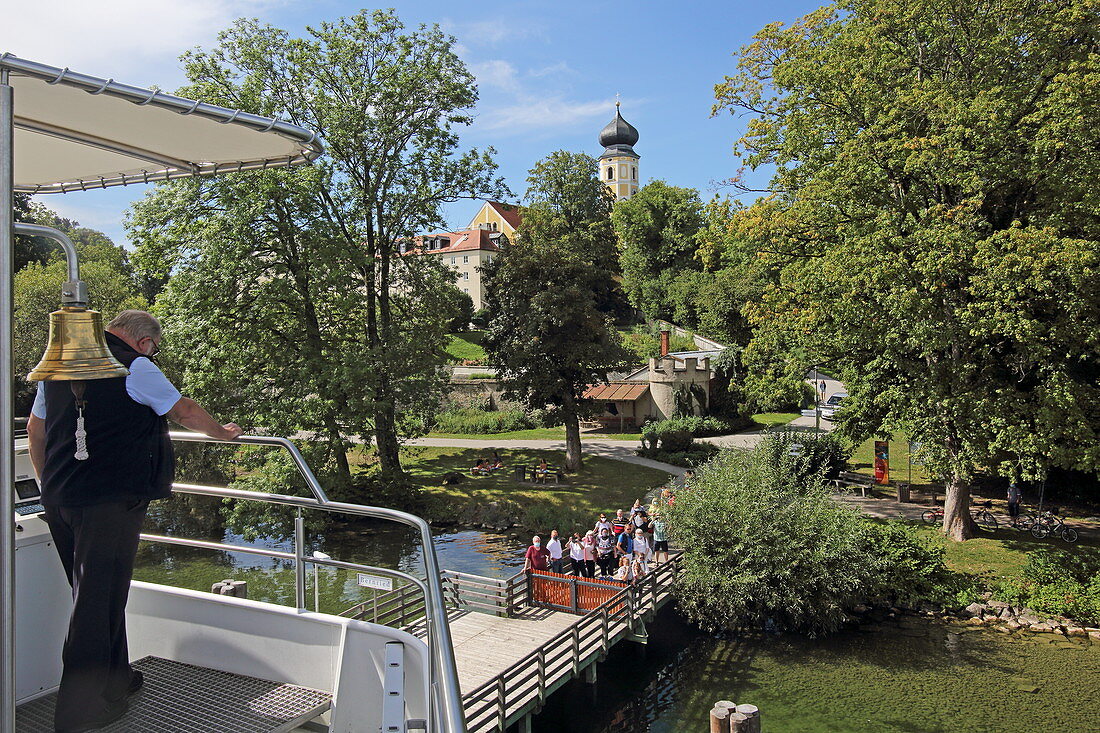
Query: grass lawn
x: 1001, y: 554
x: 466, y: 346
x: 863, y: 461
x: 771, y: 419
x: 602, y: 485
x: 537, y: 434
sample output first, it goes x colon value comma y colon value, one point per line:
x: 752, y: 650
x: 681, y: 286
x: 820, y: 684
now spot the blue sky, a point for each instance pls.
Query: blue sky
x: 548, y: 72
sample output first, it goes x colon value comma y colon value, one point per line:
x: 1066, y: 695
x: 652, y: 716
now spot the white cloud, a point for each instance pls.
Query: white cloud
x: 541, y: 113
x: 135, y: 41
x: 496, y: 73
x: 489, y: 32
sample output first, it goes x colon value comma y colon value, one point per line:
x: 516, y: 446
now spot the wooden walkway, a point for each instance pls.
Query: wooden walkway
x: 512, y: 650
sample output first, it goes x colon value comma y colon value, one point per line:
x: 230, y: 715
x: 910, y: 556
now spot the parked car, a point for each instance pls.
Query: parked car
x: 832, y: 405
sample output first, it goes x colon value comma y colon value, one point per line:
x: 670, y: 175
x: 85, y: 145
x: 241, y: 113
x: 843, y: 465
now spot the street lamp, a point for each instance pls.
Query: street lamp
x: 317, y: 555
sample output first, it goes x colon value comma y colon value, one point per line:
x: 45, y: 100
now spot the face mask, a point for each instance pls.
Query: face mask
x: 537, y: 544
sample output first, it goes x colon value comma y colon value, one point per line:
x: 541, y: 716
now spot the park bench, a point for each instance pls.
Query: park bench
x: 849, y: 480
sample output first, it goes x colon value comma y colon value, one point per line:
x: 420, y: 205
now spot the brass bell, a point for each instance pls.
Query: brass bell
x: 77, y: 349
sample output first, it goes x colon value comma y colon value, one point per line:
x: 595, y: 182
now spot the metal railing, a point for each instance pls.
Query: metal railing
x: 466, y: 591
x: 533, y: 678
x: 446, y: 700
x: 400, y: 608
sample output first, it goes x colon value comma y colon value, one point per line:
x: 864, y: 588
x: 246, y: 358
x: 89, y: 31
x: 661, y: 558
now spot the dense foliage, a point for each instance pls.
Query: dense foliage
x: 551, y: 334
x: 656, y: 228
x: 931, y: 228
x: 805, y: 455
x: 1058, y: 583
x: 475, y: 421
x: 766, y: 548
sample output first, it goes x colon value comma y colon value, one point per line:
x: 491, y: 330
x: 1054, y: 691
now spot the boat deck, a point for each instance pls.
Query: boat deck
x: 182, y: 698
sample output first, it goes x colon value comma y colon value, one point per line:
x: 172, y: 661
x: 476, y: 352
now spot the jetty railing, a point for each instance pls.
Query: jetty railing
x: 526, y: 684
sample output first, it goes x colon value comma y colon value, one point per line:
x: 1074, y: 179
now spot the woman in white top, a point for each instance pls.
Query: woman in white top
x: 576, y: 554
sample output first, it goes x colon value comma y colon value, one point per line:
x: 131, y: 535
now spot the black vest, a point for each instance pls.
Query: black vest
x: 129, y: 453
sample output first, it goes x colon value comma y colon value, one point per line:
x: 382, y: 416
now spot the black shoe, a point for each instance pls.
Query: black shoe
x: 112, y: 712
x: 137, y: 679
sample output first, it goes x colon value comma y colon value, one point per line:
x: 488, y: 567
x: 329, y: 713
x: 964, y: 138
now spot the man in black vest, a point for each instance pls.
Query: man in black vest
x: 95, y: 489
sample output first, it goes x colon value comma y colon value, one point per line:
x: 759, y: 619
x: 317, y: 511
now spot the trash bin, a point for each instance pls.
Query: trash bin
x: 520, y: 473
x: 903, y: 493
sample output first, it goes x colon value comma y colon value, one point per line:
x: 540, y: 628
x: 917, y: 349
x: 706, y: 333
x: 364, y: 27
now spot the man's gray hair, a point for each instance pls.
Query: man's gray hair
x: 136, y: 324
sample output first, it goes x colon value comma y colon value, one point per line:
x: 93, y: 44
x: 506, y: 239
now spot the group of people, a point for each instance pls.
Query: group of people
x: 620, y: 548
x: 485, y: 466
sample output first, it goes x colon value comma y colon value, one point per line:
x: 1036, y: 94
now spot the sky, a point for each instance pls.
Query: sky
x: 548, y: 72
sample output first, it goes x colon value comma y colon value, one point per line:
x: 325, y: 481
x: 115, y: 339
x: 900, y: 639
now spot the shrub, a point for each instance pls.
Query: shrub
x: 698, y: 427
x: 676, y: 441
x: 907, y: 567
x: 1059, y: 584
x: 474, y: 421
x: 699, y: 454
x: 820, y: 453
x: 767, y: 548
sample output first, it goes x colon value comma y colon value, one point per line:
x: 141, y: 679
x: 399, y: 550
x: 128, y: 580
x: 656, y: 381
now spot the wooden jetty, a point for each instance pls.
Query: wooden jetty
x: 518, y: 640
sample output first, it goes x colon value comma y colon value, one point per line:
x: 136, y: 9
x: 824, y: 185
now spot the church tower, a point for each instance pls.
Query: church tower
x: 619, y: 162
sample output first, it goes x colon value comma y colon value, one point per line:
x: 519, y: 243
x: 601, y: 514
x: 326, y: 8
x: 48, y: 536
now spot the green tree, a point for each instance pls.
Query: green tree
x: 549, y: 336
x: 320, y: 315
x: 657, y: 228
x: 932, y: 224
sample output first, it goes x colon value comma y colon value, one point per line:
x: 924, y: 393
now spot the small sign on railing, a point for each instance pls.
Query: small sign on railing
x: 374, y: 581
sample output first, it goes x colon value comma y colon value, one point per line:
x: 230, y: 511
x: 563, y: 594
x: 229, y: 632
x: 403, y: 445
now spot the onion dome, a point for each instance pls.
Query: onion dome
x: 618, y: 137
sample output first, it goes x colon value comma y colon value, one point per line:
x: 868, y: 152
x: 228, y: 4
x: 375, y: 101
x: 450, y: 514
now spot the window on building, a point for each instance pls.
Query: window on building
x: 634, y: 173
x: 454, y: 260
x: 611, y: 174
x: 466, y: 275
x: 466, y: 258
x: 466, y: 290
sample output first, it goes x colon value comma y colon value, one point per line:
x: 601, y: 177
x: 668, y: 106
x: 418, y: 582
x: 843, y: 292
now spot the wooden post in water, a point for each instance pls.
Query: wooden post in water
x: 720, y: 716
x: 726, y: 717
x: 746, y: 719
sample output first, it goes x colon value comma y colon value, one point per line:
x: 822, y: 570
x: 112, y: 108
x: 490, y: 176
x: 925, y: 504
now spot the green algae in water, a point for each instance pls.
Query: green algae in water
x: 917, y: 675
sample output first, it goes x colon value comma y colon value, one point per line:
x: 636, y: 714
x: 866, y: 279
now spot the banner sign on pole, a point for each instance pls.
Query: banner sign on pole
x: 882, y: 462
x: 375, y: 581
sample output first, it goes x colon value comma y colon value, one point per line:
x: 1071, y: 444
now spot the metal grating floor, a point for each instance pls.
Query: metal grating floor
x: 184, y: 698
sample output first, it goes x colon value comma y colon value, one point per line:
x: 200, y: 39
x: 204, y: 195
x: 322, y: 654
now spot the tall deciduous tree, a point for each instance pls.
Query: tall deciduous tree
x: 933, y: 221
x: 550, y: 336
x: 340, y: 322
x: 657, y: 229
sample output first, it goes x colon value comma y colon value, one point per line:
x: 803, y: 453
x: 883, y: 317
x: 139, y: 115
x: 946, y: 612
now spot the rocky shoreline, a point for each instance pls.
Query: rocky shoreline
x: 999, y: 615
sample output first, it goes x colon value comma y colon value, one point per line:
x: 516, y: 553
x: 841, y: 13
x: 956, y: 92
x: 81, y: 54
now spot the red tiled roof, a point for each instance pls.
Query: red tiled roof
x: 462, y: 240
x: 616, y: 391
x: 508, y: 212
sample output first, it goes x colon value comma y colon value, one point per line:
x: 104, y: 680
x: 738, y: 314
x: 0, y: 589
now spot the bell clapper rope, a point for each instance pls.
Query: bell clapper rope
x: 81, y: 434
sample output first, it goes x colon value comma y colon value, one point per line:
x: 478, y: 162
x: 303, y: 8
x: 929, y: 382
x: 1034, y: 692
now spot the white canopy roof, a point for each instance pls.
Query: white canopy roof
x: 75, y: 132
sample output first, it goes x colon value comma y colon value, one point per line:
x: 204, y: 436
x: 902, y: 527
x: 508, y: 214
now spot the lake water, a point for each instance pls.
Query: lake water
x: 906, y: 675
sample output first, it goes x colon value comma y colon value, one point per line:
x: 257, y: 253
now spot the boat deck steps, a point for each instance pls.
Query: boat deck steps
x: 184, y: 698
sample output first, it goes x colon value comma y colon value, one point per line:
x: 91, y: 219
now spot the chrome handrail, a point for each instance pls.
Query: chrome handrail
x: 446, y: 692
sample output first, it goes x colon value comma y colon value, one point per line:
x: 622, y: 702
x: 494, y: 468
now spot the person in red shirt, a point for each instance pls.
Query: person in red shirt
x: 537, y: 557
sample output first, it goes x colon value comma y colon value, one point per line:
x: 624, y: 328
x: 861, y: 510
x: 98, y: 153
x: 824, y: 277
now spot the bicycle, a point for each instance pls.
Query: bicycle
x: 984, y: 518
x: 1049, y: 523
x: 933, y: 516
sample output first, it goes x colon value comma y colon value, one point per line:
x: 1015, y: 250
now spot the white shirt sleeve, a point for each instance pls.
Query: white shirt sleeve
x: 38, y: 409
x: 148, y: 386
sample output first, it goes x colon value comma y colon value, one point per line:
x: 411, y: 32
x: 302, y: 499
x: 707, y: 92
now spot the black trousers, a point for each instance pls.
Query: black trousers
x: 97, y: 545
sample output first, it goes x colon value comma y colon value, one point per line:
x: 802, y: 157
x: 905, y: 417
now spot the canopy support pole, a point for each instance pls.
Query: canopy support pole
x: 7, y: 430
